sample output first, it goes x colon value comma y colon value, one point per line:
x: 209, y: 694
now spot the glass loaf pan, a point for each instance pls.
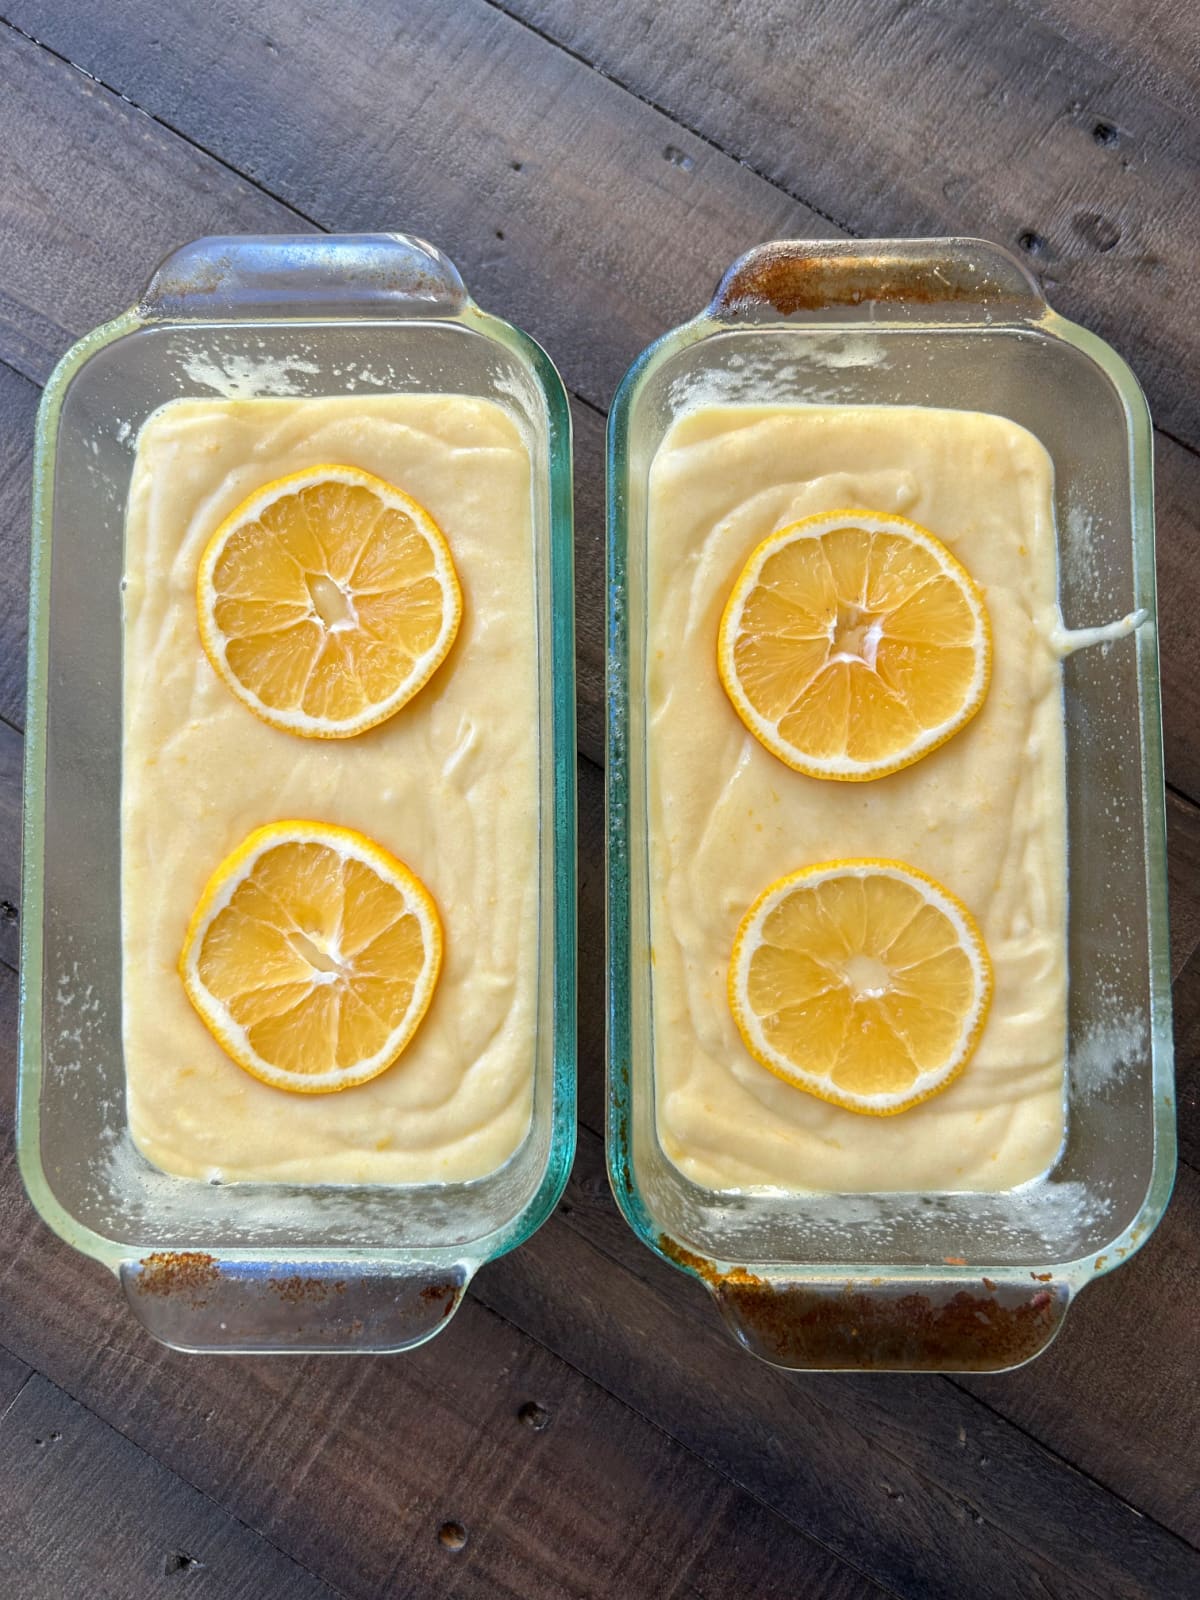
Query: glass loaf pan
x: 953, y: 1281
x: 260, y: 1267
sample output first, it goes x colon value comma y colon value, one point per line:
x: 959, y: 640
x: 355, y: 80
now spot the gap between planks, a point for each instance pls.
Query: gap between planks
x: 103, y: 1427
x: 651, y: 104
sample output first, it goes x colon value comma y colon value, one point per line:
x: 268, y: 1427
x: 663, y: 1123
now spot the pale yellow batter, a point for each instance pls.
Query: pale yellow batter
x: 985, y: 814
x: 449, y: 784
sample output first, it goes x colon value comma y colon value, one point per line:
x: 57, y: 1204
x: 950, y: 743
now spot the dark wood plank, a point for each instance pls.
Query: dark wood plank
x: 558, y: 203
x: 12, y: 751
x: 1053, y: 149
x: 1187, y: 1059
x: 1115, y: 1328
x: 402, y: 1448
x: 1177, y: 515
x: 588, y: 424
x: 1154, y: 43
x: 88, y: 1513
x: 1183, y: 879
x: 92, y: 197
x: 605, y: 243
x: 18, y: 406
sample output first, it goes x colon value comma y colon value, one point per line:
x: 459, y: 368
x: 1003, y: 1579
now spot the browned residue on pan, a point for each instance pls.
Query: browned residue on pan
x: 706, y: 1270
x: 785, y: 278
x: 297, y: 1291
x: 863, y: 1328
x: 182, y: 1272
x: 969, y: 1331
x: 435, y: 1293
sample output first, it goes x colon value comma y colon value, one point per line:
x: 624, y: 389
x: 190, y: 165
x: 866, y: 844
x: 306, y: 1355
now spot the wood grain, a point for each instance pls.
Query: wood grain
x: 93, y: 196
x: 1177, y: 514
x: 606, y: 239
x: 1183, y: 879
x: 12, y: 751
x: 18, y: 407
x: 1187, y: 1059
x: 1054, y: 151
x: 1151, y: 43
x: 86, y: 1511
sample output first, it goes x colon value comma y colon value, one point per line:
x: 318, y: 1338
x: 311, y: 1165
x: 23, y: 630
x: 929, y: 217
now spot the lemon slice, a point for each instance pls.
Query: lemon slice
x: 863, y: 982
x: 312, y: 956
x: 327, y: 600
x: 853, y: 644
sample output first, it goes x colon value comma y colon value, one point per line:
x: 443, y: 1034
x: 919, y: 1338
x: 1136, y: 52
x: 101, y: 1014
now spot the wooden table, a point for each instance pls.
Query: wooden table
x: 584, y: 1427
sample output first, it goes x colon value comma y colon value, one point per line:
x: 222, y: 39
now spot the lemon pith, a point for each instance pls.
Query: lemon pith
x: 312, y: 956
x: 326, y: 600
x: 863, y: 982
x: 853, y: 643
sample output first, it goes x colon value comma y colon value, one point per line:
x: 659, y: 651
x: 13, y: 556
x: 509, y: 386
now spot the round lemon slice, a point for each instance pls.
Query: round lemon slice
x: 326, y: 600
x: 312, y: 956
x: 862, y: 982
x: 853, y: 643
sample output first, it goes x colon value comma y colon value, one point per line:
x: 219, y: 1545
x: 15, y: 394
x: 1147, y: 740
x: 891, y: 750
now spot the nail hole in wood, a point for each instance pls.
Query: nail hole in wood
x: 678, y: 158
x: 1032, y: 243
x: 534, y: 1416
x: 179, y: 1561
x: 452, y: 1535
x: 500, y: 233
x: 516, y: 166
x: 1106, y: 134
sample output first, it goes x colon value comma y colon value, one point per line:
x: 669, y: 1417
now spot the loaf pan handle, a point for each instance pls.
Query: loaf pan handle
x: 304, y: 276
x: 194, y: 1301
x: 872, y: 279
x: 955, y: 1324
